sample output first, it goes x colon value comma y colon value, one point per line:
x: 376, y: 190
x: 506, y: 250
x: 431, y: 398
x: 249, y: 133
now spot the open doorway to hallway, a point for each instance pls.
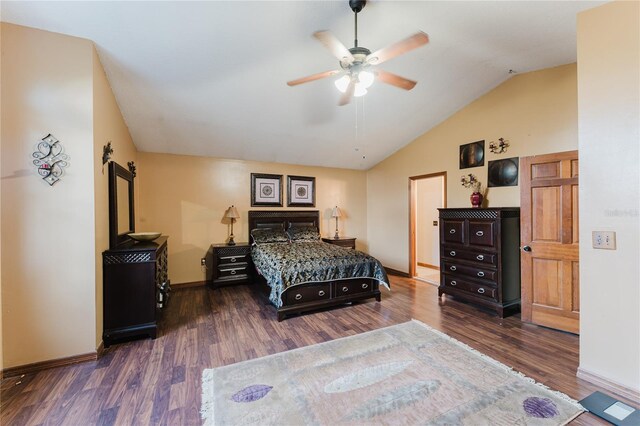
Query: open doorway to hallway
x: 428, y: 193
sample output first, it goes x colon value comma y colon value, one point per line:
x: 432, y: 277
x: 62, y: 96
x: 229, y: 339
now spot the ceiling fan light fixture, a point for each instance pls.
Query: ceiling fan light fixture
x: 342, y: 83
x: 365, y: 79
x: 359, y: 91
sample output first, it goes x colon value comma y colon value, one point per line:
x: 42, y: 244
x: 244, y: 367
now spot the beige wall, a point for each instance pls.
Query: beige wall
x: 430, y: 199
x: 536, y: 112
x: 1, y: 338
x: 609, y: 123
x: 108, y: 125
x: 185, y: 198
x: 48, y: 262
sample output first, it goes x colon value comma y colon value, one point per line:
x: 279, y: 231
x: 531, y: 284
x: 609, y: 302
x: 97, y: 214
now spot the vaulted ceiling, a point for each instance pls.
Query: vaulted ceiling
x: 209, y: 78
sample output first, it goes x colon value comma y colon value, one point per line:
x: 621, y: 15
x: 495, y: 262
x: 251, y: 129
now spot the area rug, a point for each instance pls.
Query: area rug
x: 404, y: 374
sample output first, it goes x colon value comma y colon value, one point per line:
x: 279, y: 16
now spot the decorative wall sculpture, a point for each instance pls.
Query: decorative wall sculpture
x: 50, y: 159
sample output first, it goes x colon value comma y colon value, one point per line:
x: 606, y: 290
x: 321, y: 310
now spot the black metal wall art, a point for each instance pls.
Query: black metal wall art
x: 50, y: 159
x: 499, y: 147
x: 132, y: 168
x: 503, y: 172
x: 472, y: 155
x: 107, y: 150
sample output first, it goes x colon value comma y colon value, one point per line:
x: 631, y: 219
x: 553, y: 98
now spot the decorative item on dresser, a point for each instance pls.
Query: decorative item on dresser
x: 480, y: 256
x: 135, y: 284
x: 231, y: 214
x: 229, y: 265
x: 471, y: 181
x: 341, y: 241
x: 336, y: 213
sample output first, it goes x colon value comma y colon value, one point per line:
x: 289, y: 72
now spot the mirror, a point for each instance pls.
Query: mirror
x: 121, y: 211
x: 122, y: 191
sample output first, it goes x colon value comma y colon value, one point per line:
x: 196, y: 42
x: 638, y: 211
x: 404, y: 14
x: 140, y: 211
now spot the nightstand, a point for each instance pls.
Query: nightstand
x: 229, y: 265
x: 342, y: 242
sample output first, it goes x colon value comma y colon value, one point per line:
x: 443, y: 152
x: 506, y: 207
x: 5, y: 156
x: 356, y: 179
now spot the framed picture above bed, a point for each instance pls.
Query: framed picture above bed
x: 301, y: 191
x: 266, y: 190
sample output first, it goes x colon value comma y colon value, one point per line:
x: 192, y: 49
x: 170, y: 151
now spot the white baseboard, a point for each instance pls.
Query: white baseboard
x: 610, y: 385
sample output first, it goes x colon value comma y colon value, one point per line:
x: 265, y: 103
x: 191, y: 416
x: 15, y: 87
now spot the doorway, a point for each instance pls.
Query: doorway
x: 427, y: 193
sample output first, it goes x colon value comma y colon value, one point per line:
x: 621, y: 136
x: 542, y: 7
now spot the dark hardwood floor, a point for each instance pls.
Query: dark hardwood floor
x: 158, y: 381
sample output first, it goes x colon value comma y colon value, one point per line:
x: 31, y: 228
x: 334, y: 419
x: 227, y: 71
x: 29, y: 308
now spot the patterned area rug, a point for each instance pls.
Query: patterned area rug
x: 404, y: 374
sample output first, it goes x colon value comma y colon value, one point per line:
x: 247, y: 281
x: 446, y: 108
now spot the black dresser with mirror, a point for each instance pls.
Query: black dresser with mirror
x: 135, y: 273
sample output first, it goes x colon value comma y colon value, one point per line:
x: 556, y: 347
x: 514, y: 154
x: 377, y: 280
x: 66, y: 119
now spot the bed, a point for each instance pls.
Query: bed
x: 308, y: 274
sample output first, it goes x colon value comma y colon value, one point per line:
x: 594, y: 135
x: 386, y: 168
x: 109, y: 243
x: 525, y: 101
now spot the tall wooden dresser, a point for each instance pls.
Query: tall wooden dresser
x: 135, y: 287
x: 480, y: 256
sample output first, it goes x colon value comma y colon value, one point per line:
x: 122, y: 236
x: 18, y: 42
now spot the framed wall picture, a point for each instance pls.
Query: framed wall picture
x: 266, y: 190
x: 503, y: 172
x: 301, y: 191
x: 472, y: 155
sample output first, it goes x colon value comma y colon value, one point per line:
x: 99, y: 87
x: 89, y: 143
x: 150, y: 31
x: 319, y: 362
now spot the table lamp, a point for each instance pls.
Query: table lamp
x: 336, y: 213
x: 232, y: 214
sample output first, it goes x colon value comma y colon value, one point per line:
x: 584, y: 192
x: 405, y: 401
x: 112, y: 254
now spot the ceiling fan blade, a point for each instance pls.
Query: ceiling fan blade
x: 313, y: 77
x: 404, y: 46
x: 348, y: 94
x: 396, y: 80
x: 334, y: 45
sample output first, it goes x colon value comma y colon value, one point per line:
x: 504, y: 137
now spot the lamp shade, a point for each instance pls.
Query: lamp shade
x: 336, y: 212
x: 232, y: 213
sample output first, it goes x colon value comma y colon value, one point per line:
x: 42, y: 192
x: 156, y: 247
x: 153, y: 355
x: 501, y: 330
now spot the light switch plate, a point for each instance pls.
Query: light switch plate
x: 604, y: 240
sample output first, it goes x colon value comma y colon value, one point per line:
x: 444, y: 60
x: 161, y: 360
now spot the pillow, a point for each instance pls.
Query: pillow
x: 268, y: 235
x: 303, y: 233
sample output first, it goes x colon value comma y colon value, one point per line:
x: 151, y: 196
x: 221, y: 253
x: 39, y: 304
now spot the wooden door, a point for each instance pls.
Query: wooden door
x: 549, y: 240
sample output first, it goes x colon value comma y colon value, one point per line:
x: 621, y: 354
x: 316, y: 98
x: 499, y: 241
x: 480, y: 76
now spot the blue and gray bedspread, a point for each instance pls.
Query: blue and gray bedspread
x: 288, y: 264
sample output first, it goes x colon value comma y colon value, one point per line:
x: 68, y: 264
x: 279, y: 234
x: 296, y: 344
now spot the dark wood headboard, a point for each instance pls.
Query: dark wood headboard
x: 283, y: 218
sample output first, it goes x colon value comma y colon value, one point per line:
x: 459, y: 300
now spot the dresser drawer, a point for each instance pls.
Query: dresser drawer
x: 474, y: 256
x: 305, y: 294
x: 345, y: 288
x: 453, y: 231
x: 469, y: 287
x: 481, y: 233
x: 470, y: 271
x: 233, y: 258
x: 232, y: 271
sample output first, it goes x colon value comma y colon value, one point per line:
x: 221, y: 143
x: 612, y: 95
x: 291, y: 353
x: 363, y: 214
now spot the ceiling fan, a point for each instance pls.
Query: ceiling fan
x: 356, y: 63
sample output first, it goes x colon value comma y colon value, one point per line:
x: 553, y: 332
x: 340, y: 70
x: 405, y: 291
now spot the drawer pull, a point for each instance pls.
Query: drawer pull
x: 480, y: 257
x: 453, y: 268
x: 345, y: 289
x: 452, y: 231
x: 481, y: 274
x: 298, y: 296
x: 481, y: 290
x: 453, y: 283
x: 479, y: 233
x: 452, y: 253
x: 233, y: 272
x: 365, y: 285
x: 321, y: 293
x: 233, y: 259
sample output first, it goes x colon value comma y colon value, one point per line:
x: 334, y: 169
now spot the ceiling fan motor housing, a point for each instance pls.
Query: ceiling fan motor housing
x: 357, y: 5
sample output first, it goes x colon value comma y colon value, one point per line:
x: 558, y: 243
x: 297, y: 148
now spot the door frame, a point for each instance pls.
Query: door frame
x: 413, y: 195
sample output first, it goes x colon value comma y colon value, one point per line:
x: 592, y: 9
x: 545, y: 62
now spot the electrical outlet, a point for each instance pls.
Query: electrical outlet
x: 604, y: 240
x: 203, y: 262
